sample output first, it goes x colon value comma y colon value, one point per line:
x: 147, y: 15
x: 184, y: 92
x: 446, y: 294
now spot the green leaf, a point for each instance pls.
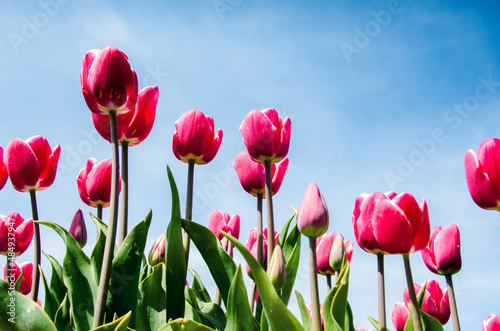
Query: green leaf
x: 183, y: 324
x: 98, y: 252
x: 20, y: 313
x: 126, y: 267
x: 62, y: 318
x: 284, y: 230
x: 239, y: 315
x: 120, y: 324
x: 175, y: 258
x: 198, y: 286
x: 304, y: 314
x: 57, y: 287
x: 292, y: 266
x: 429, y: 323
x: 151, y: 306
x: 211, y: 314
x: 50, y: 304
x: 279, y: 317
x: 335, y: 305
x: 373, y: 321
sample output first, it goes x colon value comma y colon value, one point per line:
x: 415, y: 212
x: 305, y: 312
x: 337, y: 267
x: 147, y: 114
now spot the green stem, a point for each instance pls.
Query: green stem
x: 329, y: 282
x: 102, y: 293
x: 270, y: 214
x: 316, y: 314
x: 124, y: 194
x: 189, y: 207
x: 99, y: 212
x: 382, y: 324
x: 415, y: 311
x: 453, y: 303
x: 260, y: 236
x: 37, y: 244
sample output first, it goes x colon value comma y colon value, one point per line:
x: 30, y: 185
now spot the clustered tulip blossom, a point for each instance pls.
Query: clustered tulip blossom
x: 324, y: 250
x: 94, y: 183
x: 4, y: 174
x: 23, y: 233
x: 442, y: 254
x: 15, y: 271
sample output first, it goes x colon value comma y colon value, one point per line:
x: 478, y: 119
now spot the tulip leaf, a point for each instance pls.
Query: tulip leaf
x: 198, y: 286
x: 284, y: 230
x: 151, y: 300
x: 62, y: 317
x: 126, y: 267
x: 429, y: 323
x: 20, y: 312
x: 279, y: 317
x: 57, y: 287
x: 78, y: 276
x: 50, y: 303
x: 304, y: 313
x: 336, y: 311
x: 292, y: 264
x: 211, y: 313
x: 120, y: 324
x: 220, y: 264
x: 175, y: 258
x: 98, y: 252
x: 182, y: 324
x: 239, y: 315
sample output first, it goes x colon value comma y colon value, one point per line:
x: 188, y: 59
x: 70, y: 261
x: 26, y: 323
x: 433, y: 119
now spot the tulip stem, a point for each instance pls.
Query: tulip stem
x: 382, y: 324
x: 414, y: 308
x: 99, y: 212
x: 316, y: 315
x: 189, y: 206
x: 260, y: 232
x: 270, y: 214
x: 37, y: 244
x: 329, y: 282
x: 102, y: 293
x: 124, y: 194
x: 253, y: 294
x: 453, y: 303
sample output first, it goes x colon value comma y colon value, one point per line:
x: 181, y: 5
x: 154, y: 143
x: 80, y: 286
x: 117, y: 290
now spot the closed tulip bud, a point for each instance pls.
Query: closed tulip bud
x: 313, y: 218
x: 94, y: 183
x: 442, y: 254
x: 337, y: 253
x: 276, y: 270
x: 251, y: 245
x: 492, y: 324
x: 399, y: 316
x: 436, y: 302
x: 4, y: 174
x: 16, y: 270
x: 324, y: 250
x: 157, y: 252
x: 78, y: 229
x: 16, y: 227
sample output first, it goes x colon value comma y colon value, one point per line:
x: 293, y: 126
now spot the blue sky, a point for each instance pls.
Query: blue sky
x: 383, y: 95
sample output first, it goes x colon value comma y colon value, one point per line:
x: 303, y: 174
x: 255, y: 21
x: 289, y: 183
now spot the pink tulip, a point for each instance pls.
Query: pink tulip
x: 399, y: 316
x: 323, y: 250
x: 442, y: 254
x: 265, y: 135
x: 157, y: 252
x: 27, y: 269
x: 4, y: 174
x: 390, y: 223
x: 492, y: 324
x: 94, y: 183
x: 32, y: 164
x: 108, y: 82
x: 252, y: 174
x: 482, y: 172
x: 78, y: 229
x: 251, y: 244
x: 195, y: 138
x: 133, y: 126
x: 220, y: 221
x: 313, y: 217
x: 436, y: 302
x: 15, y: 234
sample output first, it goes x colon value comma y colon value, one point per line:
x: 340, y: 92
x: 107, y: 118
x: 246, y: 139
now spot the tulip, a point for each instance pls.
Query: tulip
x: 15, y: 271
x: 252, y: 174
x: 492, y: 324
x: 195, y: 138
x: 313, y: 218
x: 108, y: 83
x: 399, y: 316
x: 31, y: 164
x: 94, y: 183
x: 324, y: 250
x: 4, y: 174
x: 265, y: 135
x: 220, y: 221
x: 78, y: 229
x: 276, y: 270
x: 436, y: 302
x: 157, y: 252
x: 15, y: 234
x: 251, y: 244
x: 442, y: 254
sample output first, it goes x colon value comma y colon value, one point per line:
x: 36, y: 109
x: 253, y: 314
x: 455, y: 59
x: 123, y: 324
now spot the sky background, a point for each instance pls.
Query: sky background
x: 382, y: 95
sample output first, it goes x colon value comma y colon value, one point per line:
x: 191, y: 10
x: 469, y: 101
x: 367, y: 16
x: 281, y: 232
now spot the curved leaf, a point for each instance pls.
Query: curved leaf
x: 304, y: 314
x: 198, y: 286
x: 239, y: 315
x: 183, y: 324
x: 151, y: 308
x: 335, y: 305
x: 120, y: 324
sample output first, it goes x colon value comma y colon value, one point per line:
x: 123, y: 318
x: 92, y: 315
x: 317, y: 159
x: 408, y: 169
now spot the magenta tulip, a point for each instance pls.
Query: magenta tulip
x: 313, y: 217
x: 399, y: 316
x: 265, y: 135
x: 442, y: 254
x: 220, y: 221
x: 324, y: 249
x: 15, y: 234
x: 492, y: 324
x: 78, y: 229
x: 436, y: 302
x: 4, y: 174
x: 482, y: 172
x: 108, y: 82
x: 133, y: 126
x: 251, y: 244
x: 26, y: 269
x: 252, y: 174
x: 390, y: 223
x: 31, y: 164
x: 94, y: 183
x: 157, y: 252
x: 195, y: 138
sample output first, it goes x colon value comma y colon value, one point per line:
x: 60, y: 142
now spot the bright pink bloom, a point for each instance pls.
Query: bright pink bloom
x: 442, y: 254
x: 22, y: 230
x: 265, y: 135
x: 492, y: 324
x: 4, y: 174
x: 108, y: 82
x: 390, y: 223
x: 399, y: 316
x: 27, y: 269
x: 436, y: 302
x: 482, y: 172
x: 220, y: 221
x: 195, y: 138
x: 32, y: 164
x: 94, y: 183
x: 252, y: 175
x: 323, y: 249
x: 251, y: 244
x: 133, y: 126
x: 313, y: 217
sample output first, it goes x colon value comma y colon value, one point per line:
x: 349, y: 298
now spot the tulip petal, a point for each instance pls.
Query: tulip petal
x: 281, y: 150
x: 210, y: 153
x: 447, y: 249
x: 391, y: 228
x: 362, y: 219
x: 138, y: 128
x: 278, y: 175
x: 258, y: 135
x: 22, y: 165
x: 251, y: 174
x: 49, y: 174
x: 480, y: 186
x: 192, y: 131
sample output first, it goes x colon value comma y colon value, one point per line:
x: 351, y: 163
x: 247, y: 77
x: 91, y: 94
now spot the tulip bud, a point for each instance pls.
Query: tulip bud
x: 313, y: 219
x: 276, y: 270
x: 337, y: 253
x: 442, y: 254
x: 157, y: 252
x: 399, y: 316
x: 78, y: 229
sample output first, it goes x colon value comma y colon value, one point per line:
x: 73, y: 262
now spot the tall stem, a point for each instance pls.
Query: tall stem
x: 189, y: 207
x: 382, y: 324
x: 37, y: 244
x: 329, y: 282
x: 99, y: 211
x: 316, y: 315
x: 102, y: 293
x: 260, y: 235
x: 270, y: 213
x: 415, y: 311
x: 453, y: 303
x: 124, y: 194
